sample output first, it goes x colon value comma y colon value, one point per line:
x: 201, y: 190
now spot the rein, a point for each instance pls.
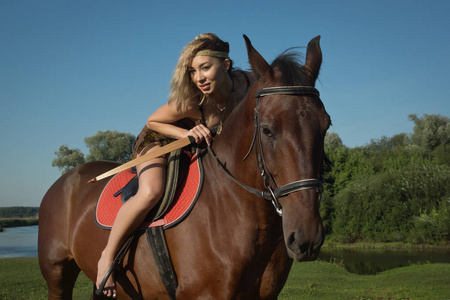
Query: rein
x: 273, y: 192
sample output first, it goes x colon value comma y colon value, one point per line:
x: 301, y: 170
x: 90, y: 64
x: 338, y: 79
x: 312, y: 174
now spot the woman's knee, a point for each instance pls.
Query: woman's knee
x: 151, y: 181
x: 149, y: 195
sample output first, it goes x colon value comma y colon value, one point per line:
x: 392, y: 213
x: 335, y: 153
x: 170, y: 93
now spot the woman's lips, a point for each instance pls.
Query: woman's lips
x: 204, y: 87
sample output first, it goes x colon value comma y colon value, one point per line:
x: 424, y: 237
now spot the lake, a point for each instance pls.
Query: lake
x: 22, y: 242
x: 373, y: 261
x: 19, y: 242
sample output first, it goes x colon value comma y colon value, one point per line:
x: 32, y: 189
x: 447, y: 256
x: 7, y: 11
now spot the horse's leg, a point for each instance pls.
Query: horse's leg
x: 58, y: 267
x: 275, y: 274
x: 60, y: 277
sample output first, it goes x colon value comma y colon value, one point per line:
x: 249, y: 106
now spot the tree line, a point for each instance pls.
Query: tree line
x: 19, y: 212
x: 394, y: 189
x: 14, y: 216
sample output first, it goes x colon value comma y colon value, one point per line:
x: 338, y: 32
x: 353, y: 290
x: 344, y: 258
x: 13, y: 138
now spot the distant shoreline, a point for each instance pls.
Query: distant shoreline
x: 18, y: 216
x: 17, y: 222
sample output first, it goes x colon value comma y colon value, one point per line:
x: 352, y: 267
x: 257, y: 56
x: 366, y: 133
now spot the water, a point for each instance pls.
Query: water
x: 19, y: 242
x: 367, y: 262
x: 22, y: 242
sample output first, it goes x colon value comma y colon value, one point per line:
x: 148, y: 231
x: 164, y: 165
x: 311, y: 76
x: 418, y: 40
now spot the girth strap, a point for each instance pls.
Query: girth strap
x: 157, y: 241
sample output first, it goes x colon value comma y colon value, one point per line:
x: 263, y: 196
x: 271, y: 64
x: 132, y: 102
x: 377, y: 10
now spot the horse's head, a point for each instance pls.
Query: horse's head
x: 291, y: 126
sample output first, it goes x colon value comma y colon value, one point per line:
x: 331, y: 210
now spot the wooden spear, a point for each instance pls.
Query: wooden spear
x: 146, y: 157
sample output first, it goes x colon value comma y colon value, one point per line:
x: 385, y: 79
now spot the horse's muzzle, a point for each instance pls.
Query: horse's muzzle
x: 301, y: 248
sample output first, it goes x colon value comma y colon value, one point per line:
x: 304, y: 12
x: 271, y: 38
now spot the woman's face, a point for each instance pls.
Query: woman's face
x: 208, y: 73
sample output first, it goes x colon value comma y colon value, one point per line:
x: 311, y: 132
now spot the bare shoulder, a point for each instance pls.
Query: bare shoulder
x: 169, y: 113
x: 192, y: 111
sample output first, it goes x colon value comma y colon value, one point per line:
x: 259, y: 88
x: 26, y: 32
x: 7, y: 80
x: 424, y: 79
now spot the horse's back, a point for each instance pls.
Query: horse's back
x: 70, y: 196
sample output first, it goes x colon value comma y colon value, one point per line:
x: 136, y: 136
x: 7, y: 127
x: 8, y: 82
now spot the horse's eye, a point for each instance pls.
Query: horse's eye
x: 266, y: 131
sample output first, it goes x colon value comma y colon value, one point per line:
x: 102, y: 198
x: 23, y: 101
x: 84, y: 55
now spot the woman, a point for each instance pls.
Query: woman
x: 205, y: 89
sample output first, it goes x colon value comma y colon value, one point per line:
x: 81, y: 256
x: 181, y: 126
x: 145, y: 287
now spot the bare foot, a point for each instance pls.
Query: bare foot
x: 103, y: 267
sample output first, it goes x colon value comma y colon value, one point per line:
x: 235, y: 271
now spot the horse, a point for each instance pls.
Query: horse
x: 257, y: 212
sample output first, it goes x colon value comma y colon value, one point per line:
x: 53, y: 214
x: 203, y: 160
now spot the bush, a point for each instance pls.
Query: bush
x: 432, y: 227
x: 395, y: 206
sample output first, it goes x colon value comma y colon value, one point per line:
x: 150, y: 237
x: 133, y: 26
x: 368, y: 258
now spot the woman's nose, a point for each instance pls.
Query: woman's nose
x: 199, y: 76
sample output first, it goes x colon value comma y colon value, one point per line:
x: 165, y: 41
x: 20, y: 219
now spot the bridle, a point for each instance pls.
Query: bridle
x: 273, y: 192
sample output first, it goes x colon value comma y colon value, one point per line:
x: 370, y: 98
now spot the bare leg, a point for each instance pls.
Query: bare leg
x: 131, y: 215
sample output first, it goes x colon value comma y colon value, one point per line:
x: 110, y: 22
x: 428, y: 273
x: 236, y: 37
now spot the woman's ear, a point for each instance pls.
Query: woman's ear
x: 227, y: 64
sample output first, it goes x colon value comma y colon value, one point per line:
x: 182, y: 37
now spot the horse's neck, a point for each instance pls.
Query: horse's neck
x: 231, y: 146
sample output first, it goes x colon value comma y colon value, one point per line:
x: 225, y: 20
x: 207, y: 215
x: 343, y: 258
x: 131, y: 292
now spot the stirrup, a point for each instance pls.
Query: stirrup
x: 117, y: 260
x: 100, y: 289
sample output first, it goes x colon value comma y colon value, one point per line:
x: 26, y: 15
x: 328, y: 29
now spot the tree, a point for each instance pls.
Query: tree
x: 67, y: 158
x: 105, y: 145
x: 430, y: 131
x: 333, y: 140
x: 110, y: 145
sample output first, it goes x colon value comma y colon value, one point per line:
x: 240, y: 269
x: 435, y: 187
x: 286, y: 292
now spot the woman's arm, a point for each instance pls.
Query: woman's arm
x: 160, y: 121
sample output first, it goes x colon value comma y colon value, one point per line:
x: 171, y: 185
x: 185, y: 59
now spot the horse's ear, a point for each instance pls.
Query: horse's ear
x: 313, y: 58
x: 259, y: 65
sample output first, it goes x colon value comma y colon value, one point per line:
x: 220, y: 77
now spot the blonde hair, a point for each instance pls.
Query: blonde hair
x: 183, y: 91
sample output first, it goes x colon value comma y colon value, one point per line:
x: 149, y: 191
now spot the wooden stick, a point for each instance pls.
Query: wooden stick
x: 146, y: 157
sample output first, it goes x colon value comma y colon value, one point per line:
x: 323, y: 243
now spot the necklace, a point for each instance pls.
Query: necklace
x: 225, y: 107
x: 217, y: 106
x: 222, y: 110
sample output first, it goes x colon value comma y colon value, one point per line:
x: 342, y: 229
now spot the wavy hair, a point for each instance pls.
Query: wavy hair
x: 183, y: 92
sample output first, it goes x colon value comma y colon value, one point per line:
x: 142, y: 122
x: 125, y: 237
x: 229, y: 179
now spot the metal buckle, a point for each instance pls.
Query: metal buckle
x: 275, y: 202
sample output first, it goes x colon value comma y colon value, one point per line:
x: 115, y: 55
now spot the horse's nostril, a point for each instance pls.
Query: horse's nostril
x: 295, y: 243
x: 304, y: 248
x: 291, y: 240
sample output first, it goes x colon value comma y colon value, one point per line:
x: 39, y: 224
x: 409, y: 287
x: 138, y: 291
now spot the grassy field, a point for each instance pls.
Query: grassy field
x: 322, y: 280
x: 20, y: 278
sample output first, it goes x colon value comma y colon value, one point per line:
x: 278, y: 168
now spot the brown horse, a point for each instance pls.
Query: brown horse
x: 234, y: 244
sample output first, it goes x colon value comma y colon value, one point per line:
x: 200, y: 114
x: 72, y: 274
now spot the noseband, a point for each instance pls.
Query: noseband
x: 273, y: 192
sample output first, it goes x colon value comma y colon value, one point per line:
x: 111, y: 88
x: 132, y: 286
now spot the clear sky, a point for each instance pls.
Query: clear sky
x: 71, y: 68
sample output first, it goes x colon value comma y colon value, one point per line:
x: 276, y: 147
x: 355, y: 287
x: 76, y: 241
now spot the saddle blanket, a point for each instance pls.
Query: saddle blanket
x: 187, y: 191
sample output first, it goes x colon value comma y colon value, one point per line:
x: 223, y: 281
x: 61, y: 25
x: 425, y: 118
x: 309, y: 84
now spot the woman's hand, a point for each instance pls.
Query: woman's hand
x: 200, y: 133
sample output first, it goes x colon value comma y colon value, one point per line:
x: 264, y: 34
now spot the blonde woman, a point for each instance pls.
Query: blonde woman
x: 204, y: 88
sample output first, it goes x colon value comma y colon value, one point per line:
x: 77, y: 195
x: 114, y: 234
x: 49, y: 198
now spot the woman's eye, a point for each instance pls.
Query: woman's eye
x: 266, y: 131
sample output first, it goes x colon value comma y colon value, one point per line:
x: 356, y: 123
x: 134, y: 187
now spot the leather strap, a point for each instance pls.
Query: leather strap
x: 288, y: 90
x: 157, y: 241
x: 278, y: 192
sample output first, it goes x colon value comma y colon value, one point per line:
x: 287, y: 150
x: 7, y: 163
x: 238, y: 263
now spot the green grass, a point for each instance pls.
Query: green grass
x: 323, y: 280
x: 20, y: 278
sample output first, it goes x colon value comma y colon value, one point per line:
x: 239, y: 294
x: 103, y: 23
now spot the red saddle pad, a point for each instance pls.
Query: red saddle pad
x: 186, y: 195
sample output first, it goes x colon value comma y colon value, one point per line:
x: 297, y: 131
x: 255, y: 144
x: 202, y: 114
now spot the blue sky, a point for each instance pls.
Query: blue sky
x: 71, y: 68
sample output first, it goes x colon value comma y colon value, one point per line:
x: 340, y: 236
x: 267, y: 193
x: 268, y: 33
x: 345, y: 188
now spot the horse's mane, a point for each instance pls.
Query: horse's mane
x: 290, y: 65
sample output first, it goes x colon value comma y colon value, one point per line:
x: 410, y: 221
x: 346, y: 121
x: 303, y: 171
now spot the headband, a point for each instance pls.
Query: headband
x: 218, y: 54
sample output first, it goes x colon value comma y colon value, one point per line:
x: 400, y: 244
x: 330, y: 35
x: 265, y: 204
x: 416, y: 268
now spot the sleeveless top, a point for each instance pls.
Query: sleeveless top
x: 147, y: 138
